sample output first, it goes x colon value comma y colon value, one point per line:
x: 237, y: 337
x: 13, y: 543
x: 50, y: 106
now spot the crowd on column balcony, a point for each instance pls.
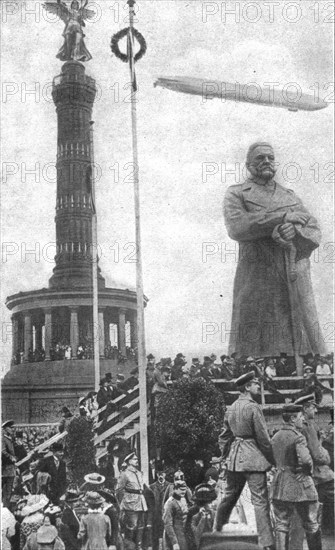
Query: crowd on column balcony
x: 34, y: 356
x: 113, y: 352
x: 63, y: 350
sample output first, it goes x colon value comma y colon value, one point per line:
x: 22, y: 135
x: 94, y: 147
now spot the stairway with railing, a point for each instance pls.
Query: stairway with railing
x: 120, y: 417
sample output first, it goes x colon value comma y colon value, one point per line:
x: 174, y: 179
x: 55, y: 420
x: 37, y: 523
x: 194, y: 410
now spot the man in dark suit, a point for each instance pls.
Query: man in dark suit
x: 104, y: 395
x: 19, y: 449
x: 56, y: 467
x: 69, y: 527
x: 158, y: 488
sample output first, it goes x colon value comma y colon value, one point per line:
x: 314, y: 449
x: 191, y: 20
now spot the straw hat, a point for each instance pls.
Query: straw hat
x: 35, y: 503
x: 93, y: 498
x: 94, y: 479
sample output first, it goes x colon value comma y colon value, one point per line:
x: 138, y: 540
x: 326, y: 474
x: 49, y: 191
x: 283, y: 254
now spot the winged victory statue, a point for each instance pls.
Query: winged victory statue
x: 74, y: 17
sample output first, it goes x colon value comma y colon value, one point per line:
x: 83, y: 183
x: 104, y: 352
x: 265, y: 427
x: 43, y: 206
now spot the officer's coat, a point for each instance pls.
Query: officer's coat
x: 261, y: 320
x: 131, y: 480
x: 7, y: 456
x: 292, y: 482
x: 321, y: 459
x: 253, y: 452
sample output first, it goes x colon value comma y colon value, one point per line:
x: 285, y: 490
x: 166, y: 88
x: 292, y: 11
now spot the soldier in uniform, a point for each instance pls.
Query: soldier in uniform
x: 323, y: 476
x: 8, y: 460
x: 245, y: 443
x: 293, y: 486
x: 129, y: 492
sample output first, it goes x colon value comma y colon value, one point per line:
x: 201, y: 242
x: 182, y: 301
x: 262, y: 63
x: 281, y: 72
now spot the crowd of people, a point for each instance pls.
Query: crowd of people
x: 63, y: 350
x: 160, y: 373
x: 231, y: 367
x: 114, y: 509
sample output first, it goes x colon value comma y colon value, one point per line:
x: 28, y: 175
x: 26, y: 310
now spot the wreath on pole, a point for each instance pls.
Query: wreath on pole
x: 136, y: 35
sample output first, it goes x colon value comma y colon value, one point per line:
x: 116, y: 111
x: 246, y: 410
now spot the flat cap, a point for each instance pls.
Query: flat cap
x: 306, y: 400
x: 245, y: 378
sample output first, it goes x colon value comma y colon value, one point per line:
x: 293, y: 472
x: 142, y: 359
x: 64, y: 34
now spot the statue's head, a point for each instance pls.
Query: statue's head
x: 75, y: 5
x: 261, y: 160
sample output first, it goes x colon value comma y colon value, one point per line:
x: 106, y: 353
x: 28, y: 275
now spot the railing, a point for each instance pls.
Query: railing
x: 42, y: 447
x: 286, y: 387
x: 121, y: 421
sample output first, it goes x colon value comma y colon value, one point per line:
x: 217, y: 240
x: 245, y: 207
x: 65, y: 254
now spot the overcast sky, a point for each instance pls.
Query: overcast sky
x: 185, y: 144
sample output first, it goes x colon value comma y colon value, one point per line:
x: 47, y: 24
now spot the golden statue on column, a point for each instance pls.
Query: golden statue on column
x: 74, y: 17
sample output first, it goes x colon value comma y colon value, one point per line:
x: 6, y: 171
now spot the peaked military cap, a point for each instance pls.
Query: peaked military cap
x: 245, y: 378
x: 8, y: 424
x: 129, y: 457
x: 292, y: 408
x: 306, y: 400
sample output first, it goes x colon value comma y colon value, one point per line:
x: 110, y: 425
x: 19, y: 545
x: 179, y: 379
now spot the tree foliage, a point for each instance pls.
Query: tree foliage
x: 80, y: 448
x: 189, y: 420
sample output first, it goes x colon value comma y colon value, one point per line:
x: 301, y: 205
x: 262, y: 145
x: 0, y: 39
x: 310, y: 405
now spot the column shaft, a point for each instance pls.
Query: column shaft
x: 101, y: 333
x: 48, y: 333
x: 28, y: 336
x: 74, y: 332
x: 122, y: 331
x: 15, y: 337
x: 133, y: 331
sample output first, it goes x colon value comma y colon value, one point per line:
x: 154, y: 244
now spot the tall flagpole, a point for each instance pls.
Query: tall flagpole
x: 139, y: 272
x: 94, y: 270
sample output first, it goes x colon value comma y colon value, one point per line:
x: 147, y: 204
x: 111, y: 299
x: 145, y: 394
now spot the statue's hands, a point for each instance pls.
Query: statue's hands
x: 287, y: 231
x: 296, y: 217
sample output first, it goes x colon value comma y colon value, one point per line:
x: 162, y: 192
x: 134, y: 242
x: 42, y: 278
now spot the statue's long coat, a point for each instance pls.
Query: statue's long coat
x: 271, y: 313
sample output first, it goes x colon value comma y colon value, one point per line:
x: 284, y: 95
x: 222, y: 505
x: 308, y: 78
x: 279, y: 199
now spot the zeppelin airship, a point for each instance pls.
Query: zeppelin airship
x: 288, y: 97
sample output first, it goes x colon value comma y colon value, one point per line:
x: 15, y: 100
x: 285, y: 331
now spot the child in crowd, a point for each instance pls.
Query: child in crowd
x: 95, y: 527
